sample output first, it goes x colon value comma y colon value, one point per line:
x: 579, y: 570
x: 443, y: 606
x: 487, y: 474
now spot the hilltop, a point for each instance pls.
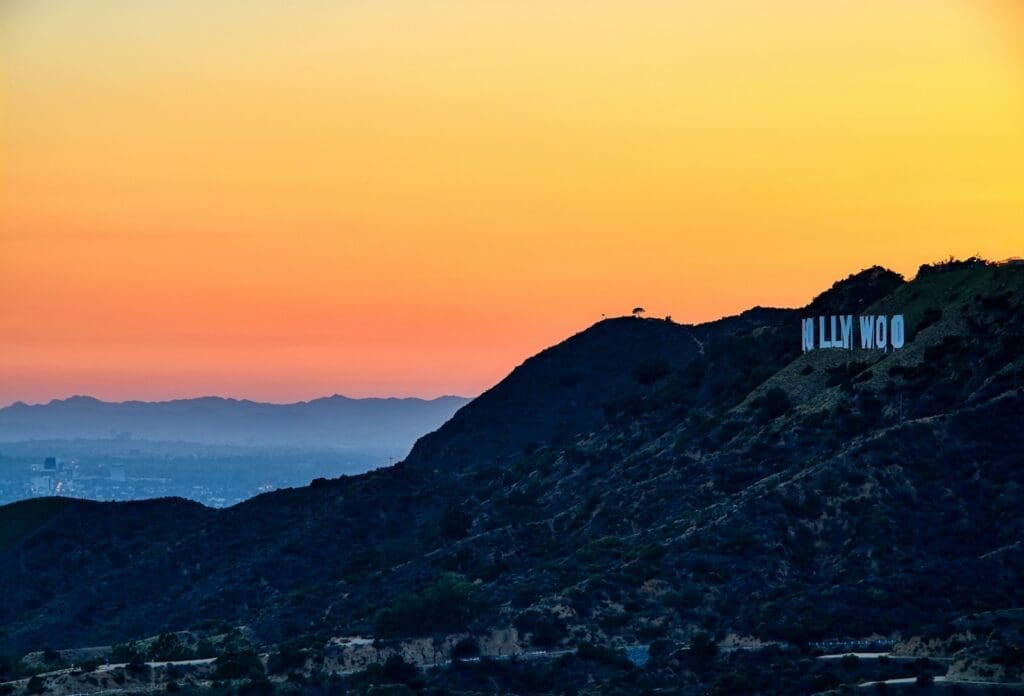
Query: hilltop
x: 643, y: 482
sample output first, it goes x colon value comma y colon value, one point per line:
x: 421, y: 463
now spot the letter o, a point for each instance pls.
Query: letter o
x: 897, y: 332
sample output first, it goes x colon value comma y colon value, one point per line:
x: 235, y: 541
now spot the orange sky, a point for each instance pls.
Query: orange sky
x: 283, y: 200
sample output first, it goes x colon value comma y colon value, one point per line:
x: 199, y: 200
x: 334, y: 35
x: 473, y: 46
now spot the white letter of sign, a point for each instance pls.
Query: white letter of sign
x: 881, y: 332
x: 808, y: 334
x: 846, y: 324
x: 898, y: 332
x: 867, y: 331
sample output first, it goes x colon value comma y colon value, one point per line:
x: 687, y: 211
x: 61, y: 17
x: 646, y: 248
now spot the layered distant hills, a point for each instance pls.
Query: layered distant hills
x: 641, y: 483
x: 335, y: 421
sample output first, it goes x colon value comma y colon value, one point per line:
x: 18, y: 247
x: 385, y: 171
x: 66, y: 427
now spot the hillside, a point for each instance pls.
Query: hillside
x: 639, y: 483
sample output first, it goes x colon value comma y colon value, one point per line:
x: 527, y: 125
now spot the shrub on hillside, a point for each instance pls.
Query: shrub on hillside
x: 287, y: 658
x: 397, y: 670
x: 455, y: 521
x: 238, y: 664
x: 544, y: 628
x: 774, y: 403
x: 447, y: 605
x: 603, y: 655
x: 650, y: 371
x: 168, y: 647
x: 10, y: 668
x: 125, y: 652
x: 467, y: 647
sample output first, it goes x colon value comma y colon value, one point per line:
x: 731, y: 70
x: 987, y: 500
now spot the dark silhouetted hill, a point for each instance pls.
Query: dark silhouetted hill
x: 638, y: 482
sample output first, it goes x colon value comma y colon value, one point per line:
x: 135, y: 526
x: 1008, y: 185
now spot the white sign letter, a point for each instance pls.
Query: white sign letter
x: 898, y: 332
x: 881, y: 333
x: 867, y: 331
x: 808, y: 334
x: 846, y: 323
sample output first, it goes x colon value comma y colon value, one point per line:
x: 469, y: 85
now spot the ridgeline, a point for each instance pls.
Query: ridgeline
x: 641, y: 483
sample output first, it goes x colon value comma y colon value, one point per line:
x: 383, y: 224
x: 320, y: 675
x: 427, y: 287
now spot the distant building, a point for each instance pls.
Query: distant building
x: 41, y: 485
x: 50, y: 464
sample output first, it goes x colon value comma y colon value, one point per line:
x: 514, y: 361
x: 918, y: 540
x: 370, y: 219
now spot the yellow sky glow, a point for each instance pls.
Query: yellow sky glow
x: 282, y: 200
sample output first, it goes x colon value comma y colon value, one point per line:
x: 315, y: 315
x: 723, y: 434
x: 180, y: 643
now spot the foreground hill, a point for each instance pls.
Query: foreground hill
x: 638, y: 483
x: 334, y: 421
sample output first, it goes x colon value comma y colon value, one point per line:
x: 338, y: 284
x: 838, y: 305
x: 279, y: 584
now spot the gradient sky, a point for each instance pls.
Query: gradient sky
x: 280, y: 200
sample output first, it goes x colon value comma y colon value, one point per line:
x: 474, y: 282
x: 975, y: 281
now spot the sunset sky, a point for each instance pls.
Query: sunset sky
x: 282, y: 200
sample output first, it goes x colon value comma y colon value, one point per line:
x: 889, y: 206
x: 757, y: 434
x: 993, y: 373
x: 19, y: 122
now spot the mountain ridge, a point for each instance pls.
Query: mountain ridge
x: 640, y: 481
x: 328, y: 421
x: 87, y: 398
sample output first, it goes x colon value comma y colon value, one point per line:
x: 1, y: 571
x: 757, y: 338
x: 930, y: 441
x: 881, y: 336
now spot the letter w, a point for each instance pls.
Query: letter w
x: 867, y: 331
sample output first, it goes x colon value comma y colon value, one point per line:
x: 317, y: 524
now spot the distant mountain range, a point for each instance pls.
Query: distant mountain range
x: 334, y: 421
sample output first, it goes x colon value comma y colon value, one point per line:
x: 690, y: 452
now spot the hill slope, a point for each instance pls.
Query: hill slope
x: 640, y: 480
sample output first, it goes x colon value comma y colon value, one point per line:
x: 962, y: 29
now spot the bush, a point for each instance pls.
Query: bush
x: 467, y: 647
x: 603, y: 656
x: 168, y: 648
x: 661, y: 649
x: 125, y: 652
x: 237, y: 664
x: 397, y: 670
x: 650, y: 371
x: 685, y: 598
x: 288, y: 658
x: 703, y: 646
x: 36, y: 685
x: 10, y: 668
x: 205, y: 649
x: 732, y: 683
x: 545, y: 629
x: 256, y: 687
x: 91, y: 664
x: 455, y: 521
x: 448, y: 604
x: 774, y: 403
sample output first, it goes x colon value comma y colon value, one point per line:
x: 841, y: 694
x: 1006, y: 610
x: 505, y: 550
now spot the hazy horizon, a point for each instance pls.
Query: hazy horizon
x: 233, y: 398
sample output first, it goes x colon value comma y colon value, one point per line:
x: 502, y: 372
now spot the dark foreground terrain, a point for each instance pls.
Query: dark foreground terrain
x: 646, y: 507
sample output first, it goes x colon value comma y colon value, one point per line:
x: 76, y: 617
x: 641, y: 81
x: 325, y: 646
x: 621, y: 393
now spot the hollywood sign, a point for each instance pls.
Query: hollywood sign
x: 877, y: 332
